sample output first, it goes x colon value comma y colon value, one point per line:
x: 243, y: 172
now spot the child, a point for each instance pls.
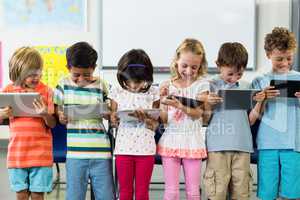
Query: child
x: 229, y: 140
x: 183, y: 140
x: 135, y: 145
x: 88, y: 145
x: 278, y: 133
x: 29, y: 157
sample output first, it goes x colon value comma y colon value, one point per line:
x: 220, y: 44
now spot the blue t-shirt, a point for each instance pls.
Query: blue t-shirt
x: 228, y: 130
x: 279, y: 127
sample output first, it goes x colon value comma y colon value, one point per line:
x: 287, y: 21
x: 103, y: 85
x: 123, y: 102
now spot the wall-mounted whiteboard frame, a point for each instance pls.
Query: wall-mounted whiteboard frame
x: 160, y: 26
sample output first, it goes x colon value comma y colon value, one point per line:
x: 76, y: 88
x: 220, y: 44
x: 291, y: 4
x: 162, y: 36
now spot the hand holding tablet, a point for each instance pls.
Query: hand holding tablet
x: 132, y: 115
x: 287, y: 88
x: 234, y: 99
x: 21, y: 103
x: 188, y: 102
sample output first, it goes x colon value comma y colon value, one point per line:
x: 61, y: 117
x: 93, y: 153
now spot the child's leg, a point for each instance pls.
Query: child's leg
x: 37, y: 196
x: 192, y: 173
x: 101, y: 178
x: 77, y: 178
x: 171, y: 168
x: 23, y: 195
x: 143, y: 172
x: 125, y: 171
x: 217, y: 175
x: 18, y: 179
x: 290, y: 174
x: 240, y: 176
x: 268, y: 174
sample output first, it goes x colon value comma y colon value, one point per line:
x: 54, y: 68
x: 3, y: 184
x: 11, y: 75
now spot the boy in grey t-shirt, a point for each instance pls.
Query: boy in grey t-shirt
x: 229, y: 140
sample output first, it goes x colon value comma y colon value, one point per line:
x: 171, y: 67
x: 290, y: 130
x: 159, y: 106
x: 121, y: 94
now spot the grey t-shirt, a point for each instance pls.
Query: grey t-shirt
x: 228, y: 130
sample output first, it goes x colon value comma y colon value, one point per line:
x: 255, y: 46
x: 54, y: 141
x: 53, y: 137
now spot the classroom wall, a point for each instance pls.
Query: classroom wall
x: 270, y: 13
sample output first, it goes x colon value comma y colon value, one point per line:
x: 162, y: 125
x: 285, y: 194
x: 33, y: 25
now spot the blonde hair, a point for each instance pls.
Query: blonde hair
x: 189, y: 45
x: 24, y: 61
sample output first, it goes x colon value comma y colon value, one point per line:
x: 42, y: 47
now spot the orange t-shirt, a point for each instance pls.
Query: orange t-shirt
x: 30, y: 141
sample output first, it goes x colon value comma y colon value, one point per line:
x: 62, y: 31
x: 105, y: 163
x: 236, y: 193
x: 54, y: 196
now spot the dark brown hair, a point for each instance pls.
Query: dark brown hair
x: 232, y: 54
x: 135, y: 65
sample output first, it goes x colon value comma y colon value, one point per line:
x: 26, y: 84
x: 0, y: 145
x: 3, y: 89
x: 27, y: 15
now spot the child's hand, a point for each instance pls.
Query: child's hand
x: 40, y: 107
x: 297, y: 94
x: 260, y: 96
x: 6, y: 112
x: 213, y: 99
x: 164, y: 91
x: 114, y: 119
x: 62, y: 118
x: 172, y: 101
x: 150, y: 123
x: 270, y: 92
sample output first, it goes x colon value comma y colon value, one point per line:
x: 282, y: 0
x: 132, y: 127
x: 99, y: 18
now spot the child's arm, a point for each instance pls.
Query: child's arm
x: 261, y: 98
x: 194, y: 113
x: 210, y: 100
x: 114, y: 120
x: 42, y: 109
x: 60, y: 115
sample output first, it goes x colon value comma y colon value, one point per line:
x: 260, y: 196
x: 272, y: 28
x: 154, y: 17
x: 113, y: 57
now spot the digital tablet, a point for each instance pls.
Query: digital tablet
x: 192, y: 103
x: 234, y: 99
x: 21, y: 103
x: 88, y: 111
x: 287, y: 88
x: 126, y: 115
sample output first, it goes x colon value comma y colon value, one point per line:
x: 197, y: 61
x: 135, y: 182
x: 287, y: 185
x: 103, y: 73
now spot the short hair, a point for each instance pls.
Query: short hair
x: 135, y: 65
x: 232, y: 54
x: 280, y: 38
x: 189, y: 45
x: 24, y: 61
x: 81, y: 55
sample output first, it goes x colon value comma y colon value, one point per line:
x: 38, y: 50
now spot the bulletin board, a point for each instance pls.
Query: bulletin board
x: 49, y: 26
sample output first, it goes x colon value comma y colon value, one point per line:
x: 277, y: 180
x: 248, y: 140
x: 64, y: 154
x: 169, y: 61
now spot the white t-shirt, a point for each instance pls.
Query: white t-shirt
x: 134, y: 138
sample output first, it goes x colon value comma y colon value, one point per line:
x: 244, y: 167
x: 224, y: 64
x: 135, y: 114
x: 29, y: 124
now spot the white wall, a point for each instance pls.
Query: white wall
x: 270, y: 13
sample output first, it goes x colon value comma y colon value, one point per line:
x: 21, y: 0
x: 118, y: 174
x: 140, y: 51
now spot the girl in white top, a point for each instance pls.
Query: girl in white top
x: 183, y: 141
x: 135, y: 145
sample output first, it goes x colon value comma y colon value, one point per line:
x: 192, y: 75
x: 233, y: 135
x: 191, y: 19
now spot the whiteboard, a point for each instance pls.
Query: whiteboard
x: 159, y: 26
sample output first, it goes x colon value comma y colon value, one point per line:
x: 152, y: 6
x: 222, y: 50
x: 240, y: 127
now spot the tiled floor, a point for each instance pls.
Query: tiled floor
x: 156, y: 192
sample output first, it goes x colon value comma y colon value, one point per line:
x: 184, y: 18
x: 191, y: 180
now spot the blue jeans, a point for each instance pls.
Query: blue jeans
x: 99, y: 171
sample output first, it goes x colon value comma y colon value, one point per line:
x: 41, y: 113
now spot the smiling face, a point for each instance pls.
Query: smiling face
x: 188, y: 66
x: 230, y: 74
x: 82, y: 76
x: 32, y: 79
x: 281, y: 60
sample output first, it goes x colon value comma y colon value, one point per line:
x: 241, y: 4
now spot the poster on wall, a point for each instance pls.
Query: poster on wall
x: 61, y: 15
x: 54, y: 64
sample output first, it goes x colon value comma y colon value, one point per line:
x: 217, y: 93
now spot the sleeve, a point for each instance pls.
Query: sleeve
x: 155, y: 93
x: 113, y: 93
x: 105, y: 87
x: 255, y: 84
x: 58, y: 96
x: 204, y: 86
x: 6, y: 89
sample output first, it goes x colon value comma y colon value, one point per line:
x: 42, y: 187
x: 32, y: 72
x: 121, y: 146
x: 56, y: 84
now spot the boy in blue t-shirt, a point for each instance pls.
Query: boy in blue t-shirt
x: 279, y: 132
x: 229, y: 140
